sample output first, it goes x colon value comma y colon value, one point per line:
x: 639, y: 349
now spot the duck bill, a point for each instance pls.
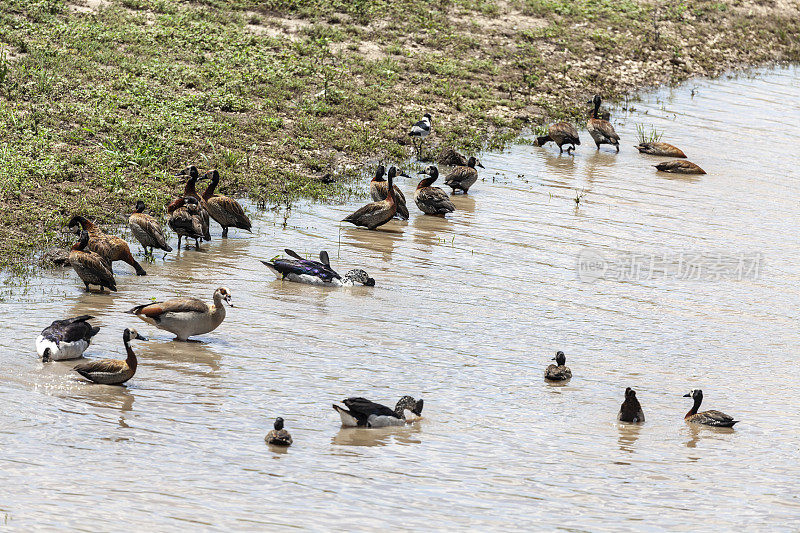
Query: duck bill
x: 687, y: 395
x: 141, y: 338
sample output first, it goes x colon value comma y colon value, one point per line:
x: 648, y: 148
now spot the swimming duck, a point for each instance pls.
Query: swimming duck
x: 561, y: 133
x: 185, y: 317
x: 189, y: 189
x: 186, y: 220
x: 679, y: 166
x: 225, y: 210
x: 279, y: 436
x: 560, y: 372
x: 364, y: 413
x: 111, y: 248
x: 432, y: 200
x: 91, y: 267
x: 708, y: 418
x: 659, y: 148
x: 601, y: 130
x: 377, y: 213
x: 451, y: 157
x: 420, y: 130
x: 316, y: 272
x: 462, y: 178
x: 379, y: 190
x: 630, y: 410
x: 65, y: 339
x: 147, y: 230
x: 112, y: 371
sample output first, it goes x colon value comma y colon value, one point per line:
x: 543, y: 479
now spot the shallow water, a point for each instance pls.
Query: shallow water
x: 466, y: 314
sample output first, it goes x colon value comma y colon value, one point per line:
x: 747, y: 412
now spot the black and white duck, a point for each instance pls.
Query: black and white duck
x: 365, y: 413
x: 66, y: 339
x: 319, y: 272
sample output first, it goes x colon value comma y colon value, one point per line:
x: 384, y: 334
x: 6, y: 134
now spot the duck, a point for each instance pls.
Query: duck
x: 451, y: 157
x: 707, y: 418
x: 225, y: 210
x: 190, y: 190
x: 378, y: 213
x: 463, y: 177
x: 186, y: 220
x: 112, y: 248
x: 112, y: 371
x: 601, y: 130
x: 147, y: 230
x: 679, y: 166
x: 379, y: 190
x: 558, y: 372
x: 278, y: 436
x: 561, y: 133
x: 432, y: 200
x: 420, y: 130
x: 365, y: 413
x: 659, y: 148
x: 66, y: 339
x: 316, y: 272
x: 185, y: 317
x: 630, y: 410
x: 91, y: 267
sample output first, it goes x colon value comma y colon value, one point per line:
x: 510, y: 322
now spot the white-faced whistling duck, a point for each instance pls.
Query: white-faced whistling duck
x: 316, y: 272
x: 432, y: 200
x: 379, y: 190
x: 225, y: 210
x: 186, y: 220
x: 419, y: 131
x: 278, y: 436
x: 601, y: 130
x: 111, y: 248
x: 462, y: 178
x: 192, y: 177
x: 679, y: 166
x: 376, y: 213
x: 661, y: 149
x: 631, y: 410
x: 91, y: 267
x: 561, y: 133
x: 364, y: 413
x: 450, y: 157
x: 147, y: 230
x: 112, y: 371
x: 558, y: 372
x: 707, y: 418
x: 185, y: 317
x: 65, y: 339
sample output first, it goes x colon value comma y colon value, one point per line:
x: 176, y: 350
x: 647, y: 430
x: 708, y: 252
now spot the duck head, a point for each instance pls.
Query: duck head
x: 278, y: 424
x: 428, y: 116
x: 223, y: 294
x: 433, y: 175
x: 695, y: 394
x: 188, y: 173
x: 76, y: 223
x: 358, y: 276
x: 596, y: 101
x: 630, y: 393
x: 560, y: 358
x: 379, y: 172
x: 473, y: 162
x: 408, y: 402
x: 139, y: 208
x: 130, y: 334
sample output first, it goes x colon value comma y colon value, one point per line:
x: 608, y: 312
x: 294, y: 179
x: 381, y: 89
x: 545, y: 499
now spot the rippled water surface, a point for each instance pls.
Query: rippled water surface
x: 467, y: 312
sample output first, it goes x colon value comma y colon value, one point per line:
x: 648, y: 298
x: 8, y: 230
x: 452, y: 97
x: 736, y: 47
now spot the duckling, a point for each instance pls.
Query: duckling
x: 659, y: 148
x: 66, y: 339
x: 432, y: 200
x: 279, y: 436
x: 451, y: 157
x: 630, y: 410
x: 190, y: 190
x: 110, y: 247
x: 561, y: 133
x: 147, y: 230
x: 419, y: 131
x: 112, y: 371
x: 377, y: 213
x: 462, y: 178
x: 225, y: 210
x: 708, y: 418
x: 560, y: 372
x: 91, y: 267
x: 601, y: 130
x: 316, y: 272
x: 185, y: 317
x: 186, y: 220
x: 679, y: 166
x: 364, y: 413
x: 379, y: 190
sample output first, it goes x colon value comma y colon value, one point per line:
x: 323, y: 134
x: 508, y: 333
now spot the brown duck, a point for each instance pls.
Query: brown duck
x: 112, y: 371
x: 601, y: 130
x: 278, y: 436
x: 707, y: 418
x: 147, y: 230
x: 190, y: 190
x: 90, y: 266
x: 462, y: 178
x: 659, y: 148
x: 377, y: 213
x: 559, y: 371
x: 379, y: 190
x: 561, y: 133
x: 111, y: 248
x: 225, y: 210
x: 432, y: 200
x: 679, y: 166
x: 185, y: 219
x: 630, y: 410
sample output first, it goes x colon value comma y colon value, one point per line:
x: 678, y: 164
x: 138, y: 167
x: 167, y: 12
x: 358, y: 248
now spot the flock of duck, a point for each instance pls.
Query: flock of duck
x: 189, y: 216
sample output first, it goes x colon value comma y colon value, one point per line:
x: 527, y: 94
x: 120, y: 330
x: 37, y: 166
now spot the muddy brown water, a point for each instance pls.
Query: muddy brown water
x: 466, y: 313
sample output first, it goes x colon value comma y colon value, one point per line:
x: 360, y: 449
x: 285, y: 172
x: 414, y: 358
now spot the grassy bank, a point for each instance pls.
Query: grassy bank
x: 101, y: 101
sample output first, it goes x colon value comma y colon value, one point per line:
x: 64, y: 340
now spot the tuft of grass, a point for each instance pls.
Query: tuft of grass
x: 646, y: 135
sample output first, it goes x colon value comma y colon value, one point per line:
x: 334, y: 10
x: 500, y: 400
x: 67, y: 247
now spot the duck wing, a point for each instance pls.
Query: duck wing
x: 301, y: 267
x: 361, y: 407
x: 435, y: 197
x: 175, y: 305
x: 680, y: 166
x: 714, y: 418
x: 101, y: 365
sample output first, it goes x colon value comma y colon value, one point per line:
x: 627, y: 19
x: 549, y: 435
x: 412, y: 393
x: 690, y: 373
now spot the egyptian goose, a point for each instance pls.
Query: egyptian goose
x: 432, y: 200
x: 186, y: 220
x: 225, y: 210
x: 379, y: 190
x: 707, y: 418
x: 679, y: 166
x: 91, y: 267
x: 601, y: 130
x: 112, y: 371
x: 110, y: 247
x: 278, y: 436
x: 419, y: 131
x: 462, y: 178
x: 558, y: 372
x: 561, y: 133
x: 376, y: 213
x: 65, y: 339
x: 364, y: 413
x: 659, y: 148
x: 185, y: 317
x: 147, y: 230
x: 630, y: 410
x: 316, y: 272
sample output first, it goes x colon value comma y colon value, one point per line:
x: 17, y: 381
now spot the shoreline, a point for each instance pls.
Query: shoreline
x: 103, y: 100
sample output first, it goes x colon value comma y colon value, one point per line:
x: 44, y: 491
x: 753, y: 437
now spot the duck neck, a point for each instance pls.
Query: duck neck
x: 131, y: 359
x: 390, y: 192
x: 176, y: 204
x: 219, y: 308
x: 427, y: 182
x: 80, y: 245
x: 209, y: 192
x: 693, y: 411
x: 596, y: 110
x: 189, y: 189
x: 399, y: 410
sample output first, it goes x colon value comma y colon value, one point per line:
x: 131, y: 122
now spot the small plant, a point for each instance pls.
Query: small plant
x: 648, y: 136
x: 578, y: 197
